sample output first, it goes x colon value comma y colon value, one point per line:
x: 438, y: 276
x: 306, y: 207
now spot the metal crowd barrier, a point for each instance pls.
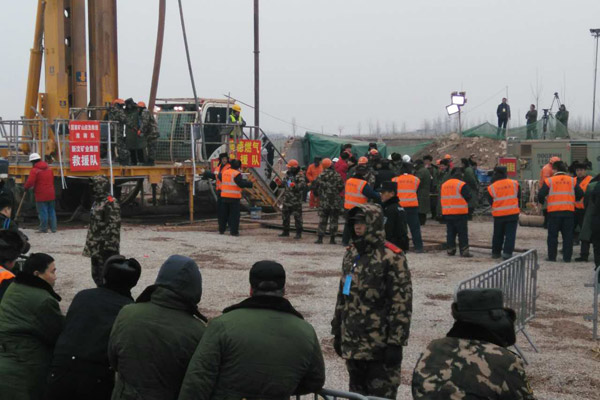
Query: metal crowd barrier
x: 330, y: 394
x: 594, y: 317
x: 517, y: 278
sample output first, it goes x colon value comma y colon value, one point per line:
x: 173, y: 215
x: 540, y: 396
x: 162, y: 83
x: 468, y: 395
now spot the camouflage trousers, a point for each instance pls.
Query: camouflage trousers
x: 374, y: 378
x: 286, y: 214
x: 122, y: 151
x: 97, y: 265
x: 330, y: 215
x: 152, y: 142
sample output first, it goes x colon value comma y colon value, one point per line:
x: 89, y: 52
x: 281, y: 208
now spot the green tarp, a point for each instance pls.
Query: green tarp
x: 554, y: 130
x: 410, y: 149
x: 317, y: 145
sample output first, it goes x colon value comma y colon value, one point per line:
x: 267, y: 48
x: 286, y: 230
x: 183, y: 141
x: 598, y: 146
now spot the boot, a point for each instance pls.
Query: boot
x: 581, y: 259
x: 284, y: 234
x: 319, y: 240
x: 298, y: 235
x: 465, y: 253
x: 451, y: 252
x: 332, y: 239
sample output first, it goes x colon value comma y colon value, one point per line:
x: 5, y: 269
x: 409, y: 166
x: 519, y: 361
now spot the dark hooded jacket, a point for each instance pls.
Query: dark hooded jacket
x: 394, y: 218
x: 30, y: 322
x: 260, y: 348
x: 377, y: 310
x: 152, y: 341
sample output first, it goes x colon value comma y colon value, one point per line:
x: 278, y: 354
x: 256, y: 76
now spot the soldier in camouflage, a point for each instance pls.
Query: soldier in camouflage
x: 374, y: 306
x: 149, y: 131
x: 294, y: 184
x: 328, y: 186
x: 104, y: 232
x: 117, y: 115
x: 472, y: 361
x: 134, y: 134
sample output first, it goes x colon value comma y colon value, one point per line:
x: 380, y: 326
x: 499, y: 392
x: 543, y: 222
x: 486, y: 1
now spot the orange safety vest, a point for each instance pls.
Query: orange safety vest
x: 505, y: 193
x: 354, y: 196
x: 452, y: 201
x: 583, y: 185
x: 219, y: 170
x: 230, y: 189
x: 561, y: 196
x: 5, y: 274
x: 407, y: 190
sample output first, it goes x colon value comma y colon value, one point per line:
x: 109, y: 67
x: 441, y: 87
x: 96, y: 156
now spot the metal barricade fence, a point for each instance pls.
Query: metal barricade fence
x: 330, y: 394
x: 594, y: 316
x: 517, y: 278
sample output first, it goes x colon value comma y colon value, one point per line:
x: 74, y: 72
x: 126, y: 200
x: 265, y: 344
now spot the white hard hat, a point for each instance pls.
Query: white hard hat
x: 34, y: 157
x: 389, y: 156
x: 406, y: 158
x: 335, y: 159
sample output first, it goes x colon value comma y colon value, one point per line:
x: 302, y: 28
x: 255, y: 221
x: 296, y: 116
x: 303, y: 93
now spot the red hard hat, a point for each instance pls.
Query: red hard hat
x: 373, y: 152
x: 554, y: 159
x: 292, y: 164
x: 141, y: 104
x: 118, y: 101
x: 363, y: 160
x: 326, y: 163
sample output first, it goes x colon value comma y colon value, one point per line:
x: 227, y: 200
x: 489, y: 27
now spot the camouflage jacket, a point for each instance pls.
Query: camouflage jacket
x: 117, y: 115
x: 328, y: 187
x: 294, y: 189
x: 148, y: 124
x: 104, y: 232
x: 378, y: 308
x: 453, y: 368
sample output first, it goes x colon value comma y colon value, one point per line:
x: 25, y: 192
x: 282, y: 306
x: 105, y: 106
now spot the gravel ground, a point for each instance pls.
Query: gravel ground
x: 566, y: 367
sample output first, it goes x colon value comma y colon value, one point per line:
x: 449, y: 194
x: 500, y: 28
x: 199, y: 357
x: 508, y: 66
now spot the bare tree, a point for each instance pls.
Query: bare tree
x: 340, y: 130
x: 359, y: 128
x: 404, y: 128
x: 294, y: 126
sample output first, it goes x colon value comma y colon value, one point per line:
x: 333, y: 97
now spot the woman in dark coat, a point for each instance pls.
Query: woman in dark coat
x: 30, y: 322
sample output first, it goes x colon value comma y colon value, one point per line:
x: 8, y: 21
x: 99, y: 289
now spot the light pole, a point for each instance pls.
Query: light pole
x: 595, y: 33
x: 256, y: 73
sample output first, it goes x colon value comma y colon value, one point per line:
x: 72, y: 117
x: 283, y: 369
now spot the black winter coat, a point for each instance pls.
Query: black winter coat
x: 394, y: 218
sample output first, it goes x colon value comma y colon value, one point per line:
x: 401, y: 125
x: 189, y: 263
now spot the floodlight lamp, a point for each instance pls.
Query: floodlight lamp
x: 458, y: 99
x: 595, y: 32
x: 452, y: 109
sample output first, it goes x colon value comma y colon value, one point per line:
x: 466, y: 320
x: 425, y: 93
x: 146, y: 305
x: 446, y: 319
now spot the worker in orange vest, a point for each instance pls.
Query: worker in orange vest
x: 454, y: 198
x: 312, y: 172
x: 407, y: 186
x: 12, y: 245
x: 560, y: 192
x: 357, y: 191
x: 545, y: 173
x: 583, y: 180
x: 232, y: 183
x: 503, y: 195
x: 220, y: 168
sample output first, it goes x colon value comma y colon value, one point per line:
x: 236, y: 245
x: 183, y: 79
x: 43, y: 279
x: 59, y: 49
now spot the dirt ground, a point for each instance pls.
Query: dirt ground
x: 487, y: 150
x: 566, y: 367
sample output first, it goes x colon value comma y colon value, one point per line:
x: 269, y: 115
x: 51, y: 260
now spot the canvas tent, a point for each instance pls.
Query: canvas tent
x: 318, y: 145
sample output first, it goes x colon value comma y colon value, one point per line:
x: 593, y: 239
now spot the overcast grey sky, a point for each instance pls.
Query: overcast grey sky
x: 337, y: 63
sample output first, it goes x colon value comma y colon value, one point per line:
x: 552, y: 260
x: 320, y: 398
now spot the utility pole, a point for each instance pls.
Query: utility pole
x: 595, y: 33
x: 256, y: 73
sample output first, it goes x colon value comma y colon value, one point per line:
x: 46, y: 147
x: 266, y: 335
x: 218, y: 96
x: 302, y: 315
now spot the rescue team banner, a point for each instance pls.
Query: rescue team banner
x: 511, y: 165
x: 84, y: 145
x: 248, y: 152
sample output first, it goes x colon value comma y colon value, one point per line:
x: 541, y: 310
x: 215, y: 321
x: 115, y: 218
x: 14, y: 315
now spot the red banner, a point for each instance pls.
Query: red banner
x: 248, y: 152
x: 84, y: 145
x: 511, y: 165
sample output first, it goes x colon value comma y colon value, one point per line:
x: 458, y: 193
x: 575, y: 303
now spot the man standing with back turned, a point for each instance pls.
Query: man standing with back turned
x: 41, y: 179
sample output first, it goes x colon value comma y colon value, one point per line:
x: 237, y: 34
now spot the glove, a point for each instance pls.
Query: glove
x: 337, y: 345
x: 392, y: 355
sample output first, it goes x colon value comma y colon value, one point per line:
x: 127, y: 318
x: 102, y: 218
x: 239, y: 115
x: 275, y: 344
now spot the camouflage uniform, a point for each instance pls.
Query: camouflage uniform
x: 375, y: 316
x: 328, y: 186
x: 370, y: 177
x: 454, y: 368
x: 292, y: 201
x: 104, y: 232
x: 150, y: 132
x: 117, y: 115
x: 134, y: 135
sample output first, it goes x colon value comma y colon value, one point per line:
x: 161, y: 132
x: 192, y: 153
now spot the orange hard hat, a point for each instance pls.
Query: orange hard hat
x: 363, y: 160
x: 373, y: 152
x: 118, y: 101
x: 141, y: 104
x: 448, y: 157
x: 326, y: 163
x: 292, y: 164
x: 437, y: 162
x: 554, y: 159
